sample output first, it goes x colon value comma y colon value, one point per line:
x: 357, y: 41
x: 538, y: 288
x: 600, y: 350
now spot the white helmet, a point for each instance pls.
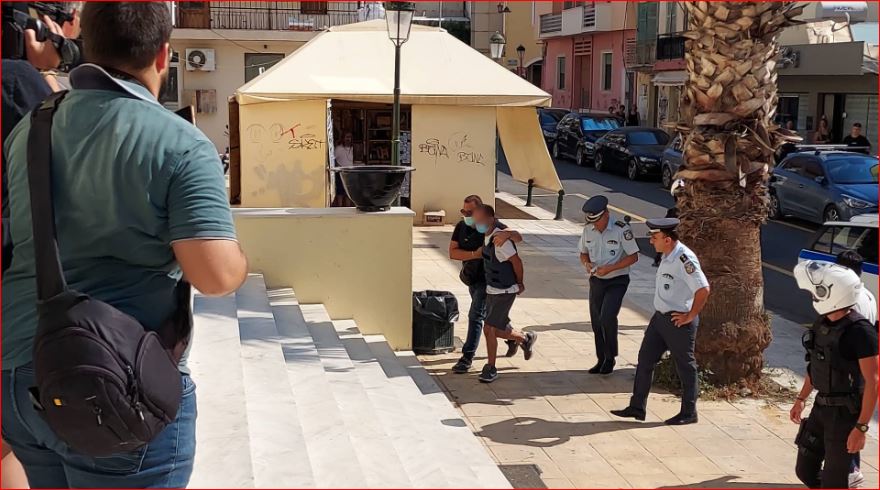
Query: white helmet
x: 833, y: 287
x: 677, y: 187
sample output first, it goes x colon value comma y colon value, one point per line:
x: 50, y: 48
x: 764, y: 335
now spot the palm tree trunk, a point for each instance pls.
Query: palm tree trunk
x: 728, y: 108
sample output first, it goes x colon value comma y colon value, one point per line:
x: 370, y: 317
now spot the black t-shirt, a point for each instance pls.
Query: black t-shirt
x: 859, y: 341
x: 468, y: 238
x: 857, y: 141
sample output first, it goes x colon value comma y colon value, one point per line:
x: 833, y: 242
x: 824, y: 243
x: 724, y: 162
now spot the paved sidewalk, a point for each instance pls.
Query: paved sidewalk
x: 548, y: 412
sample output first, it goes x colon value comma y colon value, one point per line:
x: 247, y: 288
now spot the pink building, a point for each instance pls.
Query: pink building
x: 589, y: 47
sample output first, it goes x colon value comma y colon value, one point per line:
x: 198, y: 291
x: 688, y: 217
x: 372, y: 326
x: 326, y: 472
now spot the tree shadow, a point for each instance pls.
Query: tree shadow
x: 728, y: 482
x: 585, y: 327
x: 537, y: 432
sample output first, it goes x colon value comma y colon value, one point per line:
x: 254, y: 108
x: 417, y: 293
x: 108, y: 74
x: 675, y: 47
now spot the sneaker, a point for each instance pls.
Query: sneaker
x: 462, y: 366
x: 489, y: 374
x: 512, y: 347
x: 629, y: 413
x: 529, y: 344
x: 856, y: 479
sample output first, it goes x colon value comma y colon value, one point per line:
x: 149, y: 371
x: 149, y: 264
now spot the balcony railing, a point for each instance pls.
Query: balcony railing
x: 551, y: 23
x: 589, y: 15
x: 670, y: 47
x: 271, y: 16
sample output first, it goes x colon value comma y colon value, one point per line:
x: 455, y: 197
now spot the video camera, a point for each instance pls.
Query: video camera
x: 20, y: 16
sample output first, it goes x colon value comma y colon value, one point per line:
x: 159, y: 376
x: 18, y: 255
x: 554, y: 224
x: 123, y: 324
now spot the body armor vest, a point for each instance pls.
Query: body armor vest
x: 498, y: 274
x: 830, y: 372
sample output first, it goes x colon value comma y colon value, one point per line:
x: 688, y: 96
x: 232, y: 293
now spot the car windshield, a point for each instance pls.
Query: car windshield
x: 550, y: 117
x: 852, y: 169
x: 648, y: 138
x: 599, y: 124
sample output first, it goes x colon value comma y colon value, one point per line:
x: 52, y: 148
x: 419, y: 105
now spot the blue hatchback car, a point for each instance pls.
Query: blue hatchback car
x: 824, y: 186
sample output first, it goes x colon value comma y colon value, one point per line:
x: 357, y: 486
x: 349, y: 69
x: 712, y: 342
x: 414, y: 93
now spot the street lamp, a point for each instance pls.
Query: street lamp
x: 399, y: 17
x: 496, y: 50
x: 520, y: 52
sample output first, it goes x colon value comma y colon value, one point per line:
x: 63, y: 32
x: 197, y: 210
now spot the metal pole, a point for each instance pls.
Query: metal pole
x: 395, y: 130
x: 531, y: 187
x: 558, y: 216
x: 497, y: 158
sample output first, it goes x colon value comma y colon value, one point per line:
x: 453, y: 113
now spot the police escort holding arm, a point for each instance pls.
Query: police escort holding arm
x: 466, y: 245
x: 842, y: 355
x: 607, y: 252
x: 681, y: 293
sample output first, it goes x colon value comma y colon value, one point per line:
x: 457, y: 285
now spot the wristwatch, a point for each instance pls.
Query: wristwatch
x: 862, y: 427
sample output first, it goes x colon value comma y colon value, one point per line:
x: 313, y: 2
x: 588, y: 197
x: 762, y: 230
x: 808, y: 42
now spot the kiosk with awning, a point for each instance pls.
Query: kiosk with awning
x: 454, y: 96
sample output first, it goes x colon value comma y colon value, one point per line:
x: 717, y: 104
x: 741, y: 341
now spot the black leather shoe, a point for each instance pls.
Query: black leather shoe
x: 512, y: 347
x: 683, y: 419
x: 607, y: 366
x: 630, y: 413
x: 597, y: 368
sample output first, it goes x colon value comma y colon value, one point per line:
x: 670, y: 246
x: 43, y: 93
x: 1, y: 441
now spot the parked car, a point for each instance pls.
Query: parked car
x: 859, y: 234
x: 635, y: 150
x: 671, y: 161
x: 548, y: 118
x: 824, y: 186
x: 577, y: 134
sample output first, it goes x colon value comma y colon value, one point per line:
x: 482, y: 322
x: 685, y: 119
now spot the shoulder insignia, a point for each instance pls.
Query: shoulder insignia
x: 620, y: 224
x: 628, y: 235
x: 683, y: 258
x: 689, y: 267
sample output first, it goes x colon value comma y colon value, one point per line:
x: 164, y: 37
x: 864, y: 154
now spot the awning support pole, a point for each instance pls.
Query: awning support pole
x: 558, y: 216
x: 531, y: 187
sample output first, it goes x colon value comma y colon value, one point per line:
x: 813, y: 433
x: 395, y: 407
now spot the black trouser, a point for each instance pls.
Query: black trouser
x: 830, y: 427
x: 660, y: 336
x: 606, y: 297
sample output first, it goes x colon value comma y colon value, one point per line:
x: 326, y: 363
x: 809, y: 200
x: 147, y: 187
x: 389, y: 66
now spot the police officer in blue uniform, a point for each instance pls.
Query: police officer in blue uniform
x: 607, y: 252
x: 681, y: 293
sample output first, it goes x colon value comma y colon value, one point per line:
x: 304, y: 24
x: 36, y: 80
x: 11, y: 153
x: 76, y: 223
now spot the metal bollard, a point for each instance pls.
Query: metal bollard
x: 558, y: 216
x: 531, y: 188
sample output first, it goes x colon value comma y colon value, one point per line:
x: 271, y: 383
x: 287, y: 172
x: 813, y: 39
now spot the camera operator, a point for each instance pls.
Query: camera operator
x: 140, y: 202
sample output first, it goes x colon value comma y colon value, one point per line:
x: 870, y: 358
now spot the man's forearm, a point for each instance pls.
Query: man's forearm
x: 869, y: 397
x: 625, y: 262
x: 585, y: 259
x: 806, y: 389
x: 518, y: 270
x: 700, y: 298
x: 515, y: 237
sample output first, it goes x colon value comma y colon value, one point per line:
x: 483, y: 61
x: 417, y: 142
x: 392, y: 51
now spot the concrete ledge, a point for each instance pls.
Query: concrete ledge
x: 359, y: 265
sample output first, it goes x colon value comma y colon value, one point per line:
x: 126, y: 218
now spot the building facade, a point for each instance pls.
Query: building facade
x: 589, y: 48
x: 659, y: 63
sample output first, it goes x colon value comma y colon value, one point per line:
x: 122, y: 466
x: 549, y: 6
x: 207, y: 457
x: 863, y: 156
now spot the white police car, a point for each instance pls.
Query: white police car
x: 859, y: 234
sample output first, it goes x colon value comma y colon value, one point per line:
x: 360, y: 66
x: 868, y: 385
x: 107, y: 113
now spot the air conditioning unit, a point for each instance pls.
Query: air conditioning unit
x: 200, y: 59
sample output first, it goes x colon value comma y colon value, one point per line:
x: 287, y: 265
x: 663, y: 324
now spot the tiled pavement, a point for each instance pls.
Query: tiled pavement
x: 550, y: 413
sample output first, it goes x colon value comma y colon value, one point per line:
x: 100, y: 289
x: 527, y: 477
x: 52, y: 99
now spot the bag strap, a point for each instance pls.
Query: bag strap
x: 50, y: 275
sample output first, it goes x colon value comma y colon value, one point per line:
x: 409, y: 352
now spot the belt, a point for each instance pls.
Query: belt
x: 836, y: 400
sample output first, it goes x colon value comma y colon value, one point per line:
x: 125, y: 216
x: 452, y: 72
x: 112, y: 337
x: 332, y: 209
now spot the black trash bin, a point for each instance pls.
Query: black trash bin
x: 434, y: 313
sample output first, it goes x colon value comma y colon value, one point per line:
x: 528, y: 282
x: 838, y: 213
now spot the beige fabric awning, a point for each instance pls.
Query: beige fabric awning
x: 525, y: 149
x: 669, y: 78
x: 355, y: 62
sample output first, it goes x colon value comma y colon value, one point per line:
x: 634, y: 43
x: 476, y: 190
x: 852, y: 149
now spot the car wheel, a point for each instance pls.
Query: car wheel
x: 579, y: 157
x: 666, y: 177
x: 831, y: 214
x: 632, y: 170
x: 555, y: 150
x: 600, y: 162
x: 774, y: 209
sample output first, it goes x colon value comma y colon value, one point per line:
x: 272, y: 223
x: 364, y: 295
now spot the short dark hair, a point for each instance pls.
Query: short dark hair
x: 673, y: 234
x: 474, y: 199
x: 850, y: 259
x: 489, y: 210
x: 124, y: 34
x: 857, y: 125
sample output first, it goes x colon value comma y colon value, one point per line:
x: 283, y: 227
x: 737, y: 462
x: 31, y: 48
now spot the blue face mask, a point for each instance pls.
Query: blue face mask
x: 482, y: 228
x: 469, y: 220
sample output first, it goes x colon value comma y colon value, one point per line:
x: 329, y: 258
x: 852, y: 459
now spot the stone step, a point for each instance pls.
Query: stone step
x: 278, y: 449
x: 378, y: 451
x: 404, y: 369
x: 432, y: 459
x: 331, y: 451
x: 223, y: 458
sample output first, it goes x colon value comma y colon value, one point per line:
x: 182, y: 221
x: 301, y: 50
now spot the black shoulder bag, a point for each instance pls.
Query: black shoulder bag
x: 105, y: 385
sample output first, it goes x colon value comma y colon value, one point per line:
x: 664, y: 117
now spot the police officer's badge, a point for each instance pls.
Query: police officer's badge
x: 613, y: 252
x: 628, y: 235
x: 689, y: 267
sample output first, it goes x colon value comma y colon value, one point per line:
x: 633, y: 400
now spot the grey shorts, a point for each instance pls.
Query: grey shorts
x: 498, y: 310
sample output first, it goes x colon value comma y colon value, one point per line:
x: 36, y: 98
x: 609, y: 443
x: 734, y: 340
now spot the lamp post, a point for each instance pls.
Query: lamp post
x: 496, y: 51
x: 399, y: 17
x: 520, y: 53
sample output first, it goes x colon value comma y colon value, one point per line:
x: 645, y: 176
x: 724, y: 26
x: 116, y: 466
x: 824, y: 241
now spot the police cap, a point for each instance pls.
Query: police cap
x: 595, y: 207
x: 662, y: 224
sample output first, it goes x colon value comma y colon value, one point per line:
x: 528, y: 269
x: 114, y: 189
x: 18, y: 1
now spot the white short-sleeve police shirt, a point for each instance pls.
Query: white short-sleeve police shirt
x: 679, y: 276
x: 609, y: 246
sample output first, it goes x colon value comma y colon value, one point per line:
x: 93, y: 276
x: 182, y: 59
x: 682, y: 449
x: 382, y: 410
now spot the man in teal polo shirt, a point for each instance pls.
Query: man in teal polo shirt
x: 140, y: 201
